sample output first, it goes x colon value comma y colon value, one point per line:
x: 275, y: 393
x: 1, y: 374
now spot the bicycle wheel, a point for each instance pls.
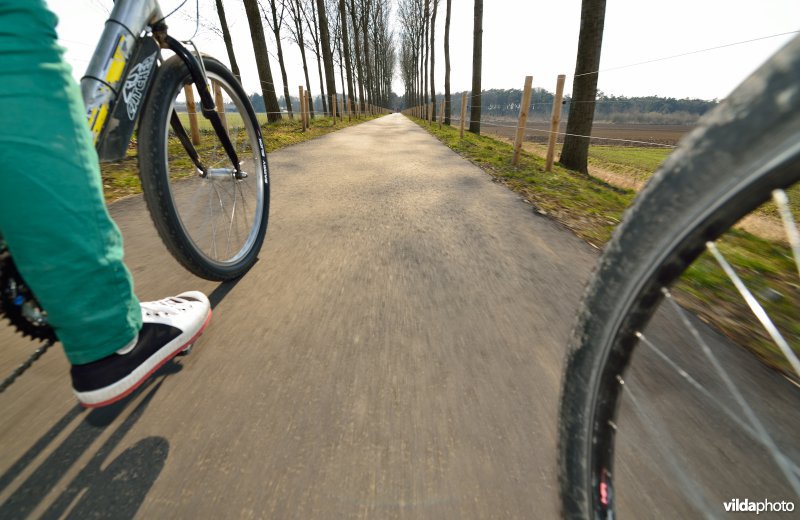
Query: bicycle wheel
x: 703, y: 418
x: 213, y: 224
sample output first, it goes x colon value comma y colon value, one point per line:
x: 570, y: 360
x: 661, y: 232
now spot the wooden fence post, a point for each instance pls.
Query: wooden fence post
x: 441, y: 115
x: 333, y: 109
x: 523, y: 119
x: 307, y: 108
x: 349, y: 109
x: 310, y: 106
x: 192, y: 109
x: 220, y: 106
x: 554, y: 122
x: 302, y: 99
x: 463, y: 112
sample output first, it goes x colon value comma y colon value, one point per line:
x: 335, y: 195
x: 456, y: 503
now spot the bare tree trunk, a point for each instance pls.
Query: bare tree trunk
x: 346, y: 48
x: 262, y: 60
x: 226, y: 36
x: 477, y: 45
x: 426, y: 54
x: 327, y: 56
x: 420, y: 65
x: 365, y: 38
x: 314, y: 26
x: 575, y: 152
x: 376, y: 82
x: 339, y: 42
x: 433, y: 54
x: 322, y: 86
x: 447, y: 66
x: 297, y: 17
x: 359, y: 70
x: 277, y: 22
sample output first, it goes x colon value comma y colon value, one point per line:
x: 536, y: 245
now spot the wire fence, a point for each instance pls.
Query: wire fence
x: 430, y: 111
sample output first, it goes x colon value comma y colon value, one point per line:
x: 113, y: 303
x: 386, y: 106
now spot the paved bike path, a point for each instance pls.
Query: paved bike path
x: 395, y: 353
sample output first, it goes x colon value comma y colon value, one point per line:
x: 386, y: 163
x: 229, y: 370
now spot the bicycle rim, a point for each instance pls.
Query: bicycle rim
x: 220, y: 215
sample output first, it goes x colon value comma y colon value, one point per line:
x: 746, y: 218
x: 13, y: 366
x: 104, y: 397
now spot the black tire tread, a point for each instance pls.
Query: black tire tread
x: 154, y: 179
x: 724, y: 169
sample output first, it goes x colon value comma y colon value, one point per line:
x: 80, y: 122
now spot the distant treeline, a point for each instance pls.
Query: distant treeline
x: 610, y: 109
x: 258, y: 102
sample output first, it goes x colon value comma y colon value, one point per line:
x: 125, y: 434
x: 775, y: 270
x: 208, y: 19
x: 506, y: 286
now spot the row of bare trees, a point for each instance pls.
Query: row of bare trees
x: 417, y: 46
x: 353, y: 36
x: 356, y: 37
x: 417, y: 53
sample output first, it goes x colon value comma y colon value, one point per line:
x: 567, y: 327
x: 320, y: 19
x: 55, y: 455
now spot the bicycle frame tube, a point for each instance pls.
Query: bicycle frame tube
x: 101, y: 84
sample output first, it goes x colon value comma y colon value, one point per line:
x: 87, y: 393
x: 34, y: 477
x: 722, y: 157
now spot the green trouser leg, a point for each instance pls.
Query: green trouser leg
x: 52, y: 213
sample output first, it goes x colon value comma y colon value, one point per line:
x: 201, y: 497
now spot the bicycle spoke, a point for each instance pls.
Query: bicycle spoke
x: 697, y: 386
x: 664, y: 440
x: 221, y: 212
x: 233, y: 217
x: 213, y: 221
x: 704, y: 391
x: 782, y: 201
x: 230, y: 216
x: 246, y: 213
x: 227, y: 199
x: 756, y: 424
x: 756, y: 307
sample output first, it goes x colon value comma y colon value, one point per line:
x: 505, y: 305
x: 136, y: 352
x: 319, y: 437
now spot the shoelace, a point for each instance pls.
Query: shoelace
x: 167, y: 306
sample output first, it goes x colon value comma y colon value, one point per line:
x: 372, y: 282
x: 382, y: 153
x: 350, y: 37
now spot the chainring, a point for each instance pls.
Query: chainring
x: 18, y: 303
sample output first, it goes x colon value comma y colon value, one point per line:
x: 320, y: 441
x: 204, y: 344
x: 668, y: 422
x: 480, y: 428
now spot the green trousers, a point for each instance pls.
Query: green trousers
x: 52, y: 214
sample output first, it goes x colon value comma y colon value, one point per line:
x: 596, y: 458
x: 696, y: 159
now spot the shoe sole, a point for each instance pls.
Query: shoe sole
x: 125, y: 386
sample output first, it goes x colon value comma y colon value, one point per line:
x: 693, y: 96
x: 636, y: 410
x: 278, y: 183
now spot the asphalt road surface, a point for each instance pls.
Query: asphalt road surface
x: 395, y: 353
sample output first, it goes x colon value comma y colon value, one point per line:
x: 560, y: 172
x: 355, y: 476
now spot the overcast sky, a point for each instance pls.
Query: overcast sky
x: 537, y: 38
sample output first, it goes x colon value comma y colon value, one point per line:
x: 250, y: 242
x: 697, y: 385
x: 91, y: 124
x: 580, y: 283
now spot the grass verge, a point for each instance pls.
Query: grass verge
x: 121, y: 179
x: 591, y: 208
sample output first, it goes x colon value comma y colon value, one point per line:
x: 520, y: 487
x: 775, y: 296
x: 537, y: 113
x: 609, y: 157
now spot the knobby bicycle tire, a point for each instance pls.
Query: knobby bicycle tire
x: 188, y: 210
x: 727, y: 167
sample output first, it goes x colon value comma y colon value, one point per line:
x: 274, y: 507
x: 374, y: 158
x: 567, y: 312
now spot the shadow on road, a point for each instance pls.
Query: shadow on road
x: 114, y: 492
x: 222, y: 290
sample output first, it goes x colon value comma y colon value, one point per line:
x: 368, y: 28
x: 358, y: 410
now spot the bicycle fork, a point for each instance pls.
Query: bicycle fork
x: 208, y: 107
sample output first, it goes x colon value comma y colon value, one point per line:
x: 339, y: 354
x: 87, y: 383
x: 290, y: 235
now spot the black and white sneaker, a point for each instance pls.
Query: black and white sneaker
x: 169, y: 326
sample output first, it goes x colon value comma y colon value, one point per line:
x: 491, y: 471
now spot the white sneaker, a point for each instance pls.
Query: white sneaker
x: 168, y: 327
